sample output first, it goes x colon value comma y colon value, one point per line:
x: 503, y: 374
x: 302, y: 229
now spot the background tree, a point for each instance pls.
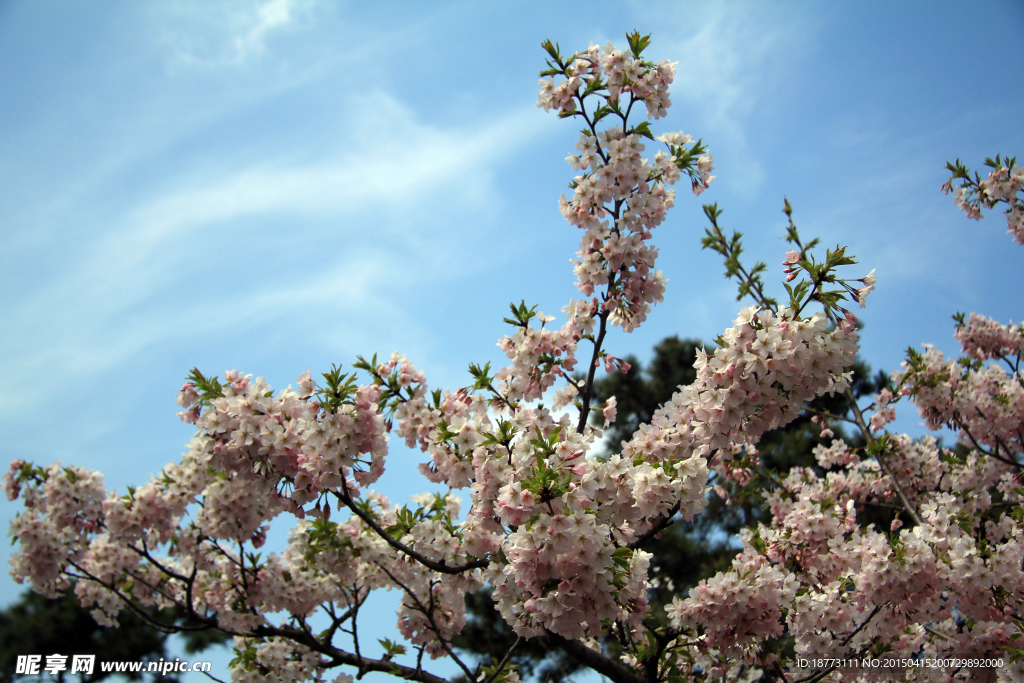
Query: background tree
x: 37, y: 625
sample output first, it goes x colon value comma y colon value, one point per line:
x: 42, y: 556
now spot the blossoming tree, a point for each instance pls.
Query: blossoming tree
x: 556, y: 533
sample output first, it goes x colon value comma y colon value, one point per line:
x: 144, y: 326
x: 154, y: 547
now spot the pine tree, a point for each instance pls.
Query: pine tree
x: 36, y: 625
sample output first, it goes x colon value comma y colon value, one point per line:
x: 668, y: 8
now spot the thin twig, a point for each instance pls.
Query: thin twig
x: 869, y: 437
x: 429, y: 614
x: 504, y: 661
x: 666, y: 521
x: 440, y: 567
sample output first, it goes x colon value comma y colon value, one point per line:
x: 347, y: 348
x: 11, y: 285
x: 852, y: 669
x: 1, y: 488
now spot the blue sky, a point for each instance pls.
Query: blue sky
x: 272, y: 186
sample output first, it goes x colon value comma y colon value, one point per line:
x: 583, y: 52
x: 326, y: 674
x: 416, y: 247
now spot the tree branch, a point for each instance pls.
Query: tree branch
x: 440, y: 567
x: 869, y: 437
x: 338, y: 657
x: 660, y: 526
x: 603, y: 665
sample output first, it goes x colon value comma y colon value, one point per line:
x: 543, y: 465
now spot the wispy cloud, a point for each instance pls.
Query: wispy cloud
x: 269, y: 16
x: 230, y: 34
x: 125, y: 293
x: 732, y: 57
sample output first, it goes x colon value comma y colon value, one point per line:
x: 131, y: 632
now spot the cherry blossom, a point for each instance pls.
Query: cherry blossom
x: 554, y: 531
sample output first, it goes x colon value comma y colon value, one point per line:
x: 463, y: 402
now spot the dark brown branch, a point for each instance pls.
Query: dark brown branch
x: 981, y: 449
x: 847, y: 639
x: 440, y: 567
x: 662, y: 524
x: 588, y: 390
x: 603, y: 665
x: 504, y: 660
x: 339, y: 657
x: 211, y: 676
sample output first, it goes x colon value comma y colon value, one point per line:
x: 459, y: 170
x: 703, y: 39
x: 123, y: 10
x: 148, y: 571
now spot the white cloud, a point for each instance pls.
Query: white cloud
x: 229, y: 34
x: 399, y: 166
x: 131, y: 287
x: 732, y: 57
x: 269, y: 16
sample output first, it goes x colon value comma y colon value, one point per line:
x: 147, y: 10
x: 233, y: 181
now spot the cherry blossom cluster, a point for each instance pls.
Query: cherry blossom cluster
x: 739, y: 608
x: 884, y: 412
x: 290, y: 661
x: 951, y: 584
x: 560, y: 566
x: 63, y: 507
x: 621, y: 196
x: 563, y: 577
x: 1003, y: 185
x: 983, y: 403
x: 987, y: 339
x: 769, y: 363
x: 540, y: 356
x: 555, y: 531
x: 620, y: 72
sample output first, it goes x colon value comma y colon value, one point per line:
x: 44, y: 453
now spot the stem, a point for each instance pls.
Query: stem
x: 588, y: 392
x: 869, y: 437
x: 504, y: 660
x: 428, y: 612
x: 440, y: 567
x: 840, y: 418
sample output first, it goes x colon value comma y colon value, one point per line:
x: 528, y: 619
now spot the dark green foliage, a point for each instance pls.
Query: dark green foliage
x: 639, y: 392
x: 36, y: 625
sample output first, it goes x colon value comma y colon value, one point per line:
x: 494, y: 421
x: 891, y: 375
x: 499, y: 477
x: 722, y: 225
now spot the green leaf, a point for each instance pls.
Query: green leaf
x: 391, y: 649
x: 593, y: 86
x: 552, y: 49
x: 643, y: 129
x: 712, y: 212
x: 638, y: 43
